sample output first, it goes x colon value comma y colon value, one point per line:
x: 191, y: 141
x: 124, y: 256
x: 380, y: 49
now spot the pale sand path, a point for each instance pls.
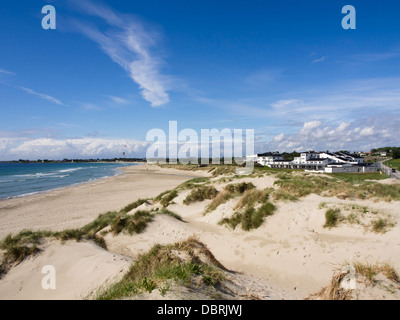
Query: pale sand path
x: 73, y: 207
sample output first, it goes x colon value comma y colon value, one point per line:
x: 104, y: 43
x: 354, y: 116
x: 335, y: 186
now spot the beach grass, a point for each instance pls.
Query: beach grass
x: 230, y: 191
x: 251, y: 218
x: 131, y: 224
x: 167, y: 212
x: 370, y: 220
x: 181, y: 263
x: 27, y: 243
x: 133, y: 205
x: 381, y: 225
x: 200, y: 194
x: 366, y: 273
x: 332, y: 218
x: 293, y: 187
x: 252, y: 208
x: 251, y: 197
x: 166, y: 198
x: 370, y: 271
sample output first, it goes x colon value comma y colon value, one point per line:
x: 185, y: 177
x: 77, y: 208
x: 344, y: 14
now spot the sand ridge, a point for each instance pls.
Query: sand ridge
x: 292, y: 252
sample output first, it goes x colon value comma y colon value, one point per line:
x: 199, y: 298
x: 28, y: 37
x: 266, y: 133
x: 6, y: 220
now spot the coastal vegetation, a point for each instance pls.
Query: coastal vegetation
x: 133, y: 205
x: 27, y: 243
x: 293, y: 187
x: 381, y: 277
x: 187, y: 263
x: 200, y: 194
x: 230, y: 191
x: 353, y: 214
x: 332, y: 217
x: 190, y: 263
x: 214, y: 169
x: 166, y: 198
x: 252, y: 208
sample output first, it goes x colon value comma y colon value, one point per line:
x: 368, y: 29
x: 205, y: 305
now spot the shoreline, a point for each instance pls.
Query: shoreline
x: 71, y: 185
x: 76, y: 205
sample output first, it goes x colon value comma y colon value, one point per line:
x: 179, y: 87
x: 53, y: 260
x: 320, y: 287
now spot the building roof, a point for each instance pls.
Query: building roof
x: 270, y: 154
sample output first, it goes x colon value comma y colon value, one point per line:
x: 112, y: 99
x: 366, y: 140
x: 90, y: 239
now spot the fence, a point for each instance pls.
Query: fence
x: 386, y: 170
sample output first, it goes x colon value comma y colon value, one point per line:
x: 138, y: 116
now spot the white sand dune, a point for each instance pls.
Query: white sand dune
x: 81, y: 269
x: 291, y: 251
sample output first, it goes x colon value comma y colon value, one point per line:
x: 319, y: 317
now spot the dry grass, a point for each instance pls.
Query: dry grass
x: 365, y: 273
x: 370, y: 271
x: 27, y: 243
x: 252, y: 197
x: 334, y: 290
x: 183, y: 262
x: 332, y: 218
x: 230, y: 191
x: 166, y: 198
x: 294, y: 186
x: 131, y: 223
x: 221, y: 198
x: 200, y: 194
x: 252, y: 208
x: 354, y: 214
x: 214, y: 169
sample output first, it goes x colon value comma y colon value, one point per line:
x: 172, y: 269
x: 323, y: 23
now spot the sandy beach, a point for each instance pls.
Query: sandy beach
x: 76, y: 206
x: 291, y: 255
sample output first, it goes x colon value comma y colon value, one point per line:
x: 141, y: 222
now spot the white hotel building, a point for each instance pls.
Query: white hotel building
x: 315, y: 161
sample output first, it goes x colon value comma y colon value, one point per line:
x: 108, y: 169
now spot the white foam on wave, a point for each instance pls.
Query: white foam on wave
x: 70, y: 170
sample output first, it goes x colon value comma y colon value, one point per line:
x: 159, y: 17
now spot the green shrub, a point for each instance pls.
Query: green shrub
x: 250, y: 218
x: 167, y: 199
x: 200, y: 194
x: 131, y: 224
x: 162, y: 264
x: 332, y: 217
x: 252, y: 197
x: 133, y: 205
x: 239, y: 188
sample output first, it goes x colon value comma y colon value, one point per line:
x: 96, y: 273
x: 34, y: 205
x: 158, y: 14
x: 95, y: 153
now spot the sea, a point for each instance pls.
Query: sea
x: 23, y: 179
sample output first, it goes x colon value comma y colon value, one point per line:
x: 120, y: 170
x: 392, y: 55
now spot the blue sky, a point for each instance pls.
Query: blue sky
x: 113, y: 70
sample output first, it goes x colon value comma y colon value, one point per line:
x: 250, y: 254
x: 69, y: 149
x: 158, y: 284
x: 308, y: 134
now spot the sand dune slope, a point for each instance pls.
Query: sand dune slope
x: 80, y: 269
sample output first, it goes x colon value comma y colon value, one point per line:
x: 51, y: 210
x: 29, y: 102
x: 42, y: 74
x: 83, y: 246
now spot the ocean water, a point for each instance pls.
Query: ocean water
x: 22, y: 179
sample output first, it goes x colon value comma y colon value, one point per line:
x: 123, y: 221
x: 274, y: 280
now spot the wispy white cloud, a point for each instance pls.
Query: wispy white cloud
x: 42, y: 96
x: 130, y: 45
x: 285, y: 103
x: 118, y: 100
x: 7, y: 72
x: 319, y: 60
